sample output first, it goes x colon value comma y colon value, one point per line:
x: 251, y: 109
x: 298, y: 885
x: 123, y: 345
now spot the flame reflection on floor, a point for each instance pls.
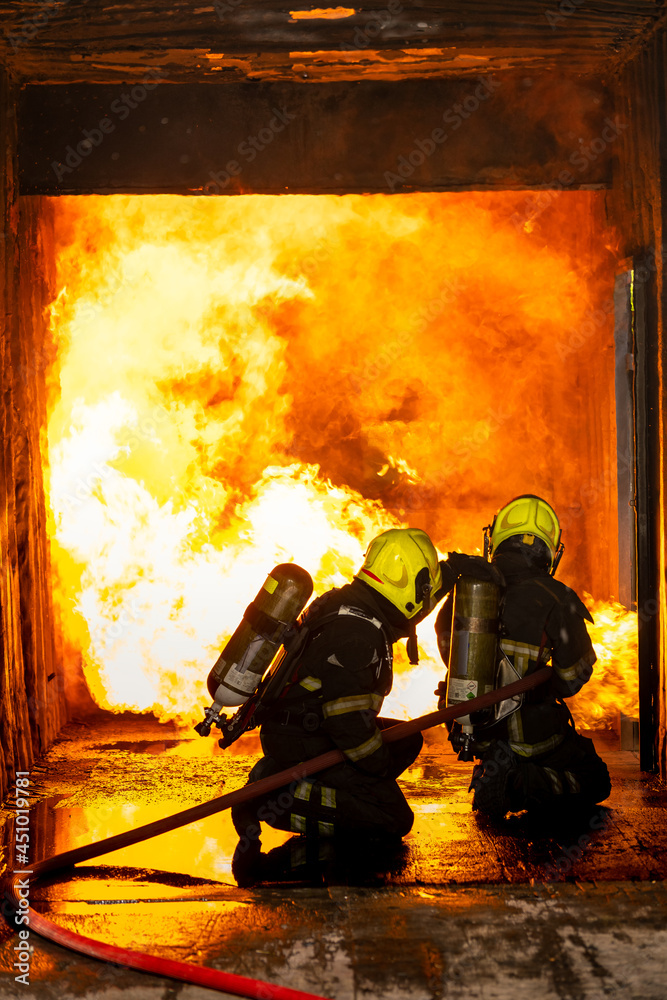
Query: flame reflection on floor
x: 175, y: 896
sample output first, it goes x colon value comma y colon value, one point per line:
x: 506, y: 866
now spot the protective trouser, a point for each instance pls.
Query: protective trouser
x: 342, y: 800
x: 571, y: 774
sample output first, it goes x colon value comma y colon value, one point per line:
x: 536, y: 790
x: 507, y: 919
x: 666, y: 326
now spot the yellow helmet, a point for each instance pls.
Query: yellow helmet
x: 402, y: 565
x: 526, y: 518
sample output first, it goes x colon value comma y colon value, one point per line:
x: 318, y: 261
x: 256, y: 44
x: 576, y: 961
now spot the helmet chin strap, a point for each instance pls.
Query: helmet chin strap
x: 487, y: 540
x: 411, y: 645
x: 557, y: 558
x: 423, y: 596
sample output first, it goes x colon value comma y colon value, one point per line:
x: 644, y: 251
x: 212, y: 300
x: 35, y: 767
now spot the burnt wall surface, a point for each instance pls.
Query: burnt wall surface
x: 90, y: 41
x: 269, y: 25
x: 503, y: 130
x: 639, y: 202
x: 31, y: 693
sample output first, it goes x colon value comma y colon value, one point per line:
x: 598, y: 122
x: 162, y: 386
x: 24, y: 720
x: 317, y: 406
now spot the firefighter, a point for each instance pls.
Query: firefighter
x: 534, y: 758
x: 335, y: 696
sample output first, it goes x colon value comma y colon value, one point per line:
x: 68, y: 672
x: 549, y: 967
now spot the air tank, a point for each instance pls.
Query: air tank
x: 241, y: 665
x: 474, y: 643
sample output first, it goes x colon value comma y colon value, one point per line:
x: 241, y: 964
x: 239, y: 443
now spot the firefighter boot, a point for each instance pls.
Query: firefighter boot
x: 497, y: 783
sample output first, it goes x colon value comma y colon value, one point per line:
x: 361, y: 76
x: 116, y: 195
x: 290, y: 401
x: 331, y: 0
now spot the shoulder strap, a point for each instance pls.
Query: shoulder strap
x: 274, y: 685
x: 358, y: 613
x: 283, y: 674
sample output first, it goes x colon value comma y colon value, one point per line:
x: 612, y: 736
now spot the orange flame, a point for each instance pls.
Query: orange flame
x: 614, y: 685
x: 250, y: 380
x: 322, y: 13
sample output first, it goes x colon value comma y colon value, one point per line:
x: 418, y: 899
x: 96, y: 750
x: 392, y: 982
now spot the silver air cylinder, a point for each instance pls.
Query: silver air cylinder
x: 241, y: 665
x: 474, y: 643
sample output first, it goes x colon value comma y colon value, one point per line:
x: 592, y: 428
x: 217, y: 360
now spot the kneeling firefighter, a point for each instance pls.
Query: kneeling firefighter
x: 334, y: 697
x: 531, y: 754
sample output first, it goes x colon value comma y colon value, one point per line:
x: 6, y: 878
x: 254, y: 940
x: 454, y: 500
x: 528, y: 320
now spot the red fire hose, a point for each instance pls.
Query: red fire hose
x: 17, y: 892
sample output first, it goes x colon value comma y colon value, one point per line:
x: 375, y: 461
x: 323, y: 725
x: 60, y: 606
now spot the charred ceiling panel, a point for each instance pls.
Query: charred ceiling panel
x: 489, y: 131
x: 236, y: 39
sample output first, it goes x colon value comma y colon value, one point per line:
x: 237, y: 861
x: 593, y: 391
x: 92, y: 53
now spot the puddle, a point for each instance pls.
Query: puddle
x: 202, y: 849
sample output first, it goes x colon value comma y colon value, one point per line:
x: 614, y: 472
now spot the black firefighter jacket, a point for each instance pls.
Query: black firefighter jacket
x: 339, y: 685
x: 537, y: 608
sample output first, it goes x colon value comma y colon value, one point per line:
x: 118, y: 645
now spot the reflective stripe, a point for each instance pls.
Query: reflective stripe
x: 297, y: 824
x: 303, y: 790
x: 311, y: 683
x: 356, y: 613
x: 573, y: 783
x: 325, y: 829
x: 522, y: 653
x: 532, y: 749
x: 357, y: 703
x: 525, y: 648
x: 555, y: 780
x: 579, y: 669
x: 329, y: 797
x: 365, y: 749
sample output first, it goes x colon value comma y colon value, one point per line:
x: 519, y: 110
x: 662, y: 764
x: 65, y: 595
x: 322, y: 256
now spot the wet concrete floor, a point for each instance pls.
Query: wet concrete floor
x: 574, y: 909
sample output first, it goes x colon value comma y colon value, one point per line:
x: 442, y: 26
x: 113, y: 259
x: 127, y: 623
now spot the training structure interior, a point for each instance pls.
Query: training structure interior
x: 272, y: 103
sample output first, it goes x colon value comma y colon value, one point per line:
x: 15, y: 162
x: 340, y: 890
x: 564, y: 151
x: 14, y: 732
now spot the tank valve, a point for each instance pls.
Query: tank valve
x: 464, y: 743
x: 211, y: 718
